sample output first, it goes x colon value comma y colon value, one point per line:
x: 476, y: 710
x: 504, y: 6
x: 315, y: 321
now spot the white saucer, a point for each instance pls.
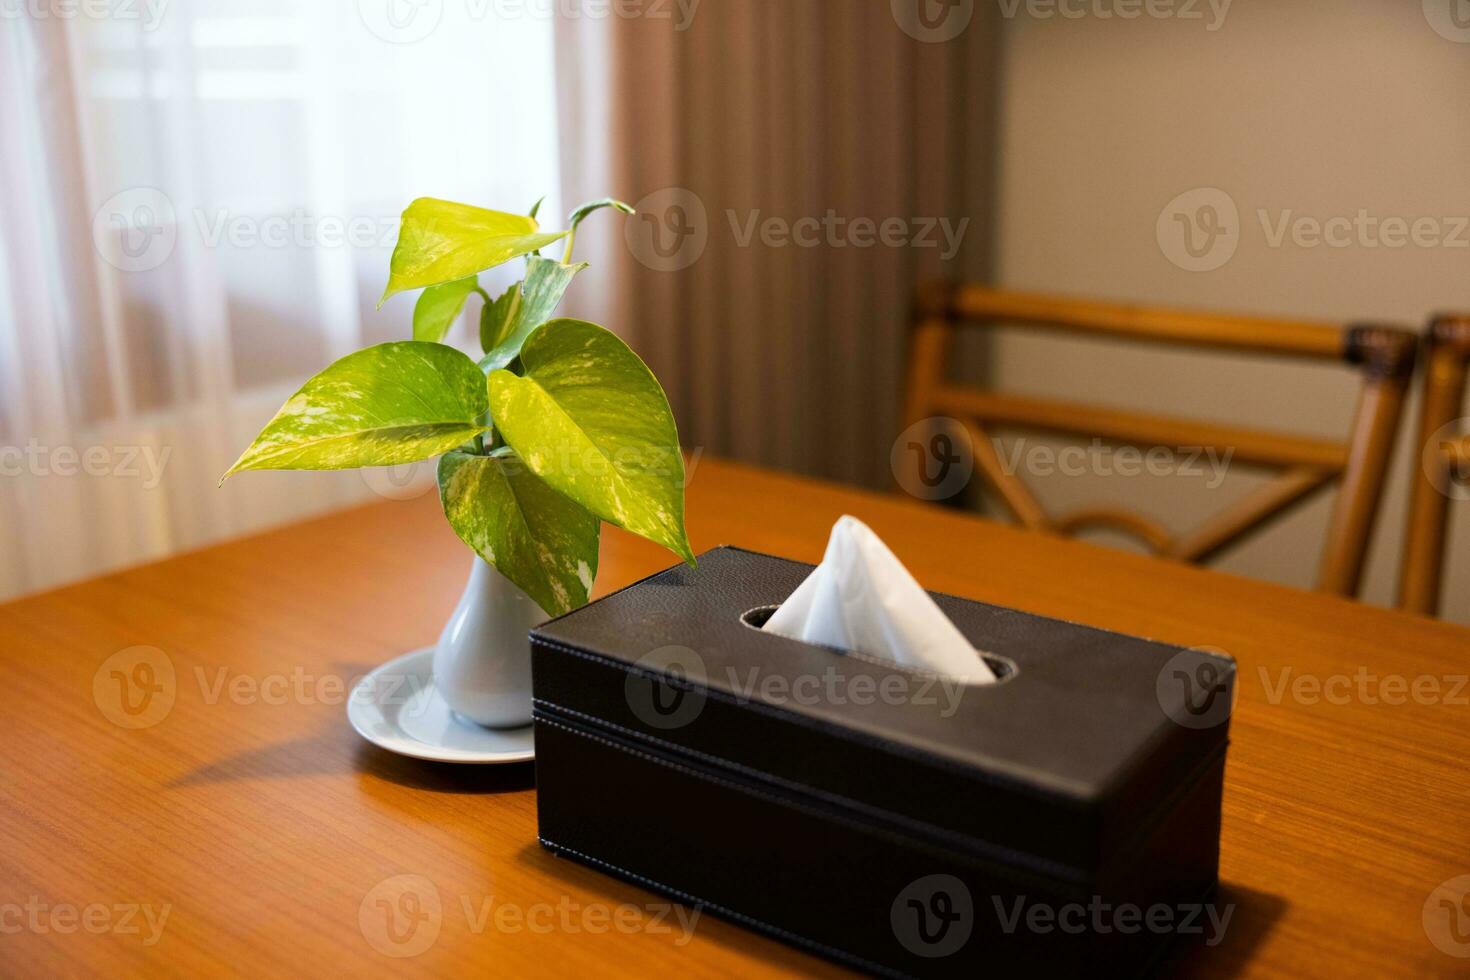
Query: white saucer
x: 396, y: 708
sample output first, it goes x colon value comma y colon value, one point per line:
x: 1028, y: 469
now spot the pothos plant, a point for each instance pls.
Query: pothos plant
x: 558, y: 427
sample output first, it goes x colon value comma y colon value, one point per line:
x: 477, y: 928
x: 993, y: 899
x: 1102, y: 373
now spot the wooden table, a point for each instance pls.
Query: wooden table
x: 264, y: 825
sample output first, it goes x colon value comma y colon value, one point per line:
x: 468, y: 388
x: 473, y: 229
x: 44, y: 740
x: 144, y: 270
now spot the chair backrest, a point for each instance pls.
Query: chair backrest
x: 1441, y: 463
x: 1383, y: 355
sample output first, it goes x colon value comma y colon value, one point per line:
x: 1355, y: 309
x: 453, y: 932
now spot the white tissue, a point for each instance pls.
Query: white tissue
x: 861, y: 599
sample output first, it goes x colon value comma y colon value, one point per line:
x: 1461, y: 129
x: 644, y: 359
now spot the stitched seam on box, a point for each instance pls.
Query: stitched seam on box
x: 896, y: 748
x: 994, y: 852
x: 786, y: 934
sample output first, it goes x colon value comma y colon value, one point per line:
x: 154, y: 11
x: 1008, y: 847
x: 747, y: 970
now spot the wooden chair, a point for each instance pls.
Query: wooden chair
x: 1384, y: 355
x: 1441, y: 459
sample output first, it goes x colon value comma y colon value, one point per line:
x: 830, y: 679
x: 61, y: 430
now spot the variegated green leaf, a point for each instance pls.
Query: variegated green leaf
x: 535, y: 301
x: 438, y: 306
x: 497, y: 318
x: 393, y: 403
x: 534, y: 536
x: 590, y: 419
x: 440, y: 241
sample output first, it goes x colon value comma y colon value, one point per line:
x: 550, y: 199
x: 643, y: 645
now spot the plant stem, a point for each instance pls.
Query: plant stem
x: 566, y: 258
x: 483, y: 294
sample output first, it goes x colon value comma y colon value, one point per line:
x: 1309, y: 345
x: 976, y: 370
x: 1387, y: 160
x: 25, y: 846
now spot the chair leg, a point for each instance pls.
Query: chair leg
x: 1424, y: 541
x: 1389, y: 357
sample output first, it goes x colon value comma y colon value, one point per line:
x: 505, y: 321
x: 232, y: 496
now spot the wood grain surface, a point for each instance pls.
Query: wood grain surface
x: 275, y: 840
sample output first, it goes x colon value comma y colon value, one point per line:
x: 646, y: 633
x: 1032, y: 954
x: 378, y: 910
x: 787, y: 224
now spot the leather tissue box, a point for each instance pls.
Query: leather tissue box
x: 1066, y: 818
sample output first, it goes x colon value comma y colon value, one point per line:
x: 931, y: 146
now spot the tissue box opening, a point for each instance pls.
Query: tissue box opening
x: 674, y: 749
x: 757, y: 618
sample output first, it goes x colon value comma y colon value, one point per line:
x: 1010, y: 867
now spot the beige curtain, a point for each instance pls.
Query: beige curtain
x: 771, y: 351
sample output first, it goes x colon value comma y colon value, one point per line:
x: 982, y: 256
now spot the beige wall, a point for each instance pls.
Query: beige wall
x: 1320, y: 108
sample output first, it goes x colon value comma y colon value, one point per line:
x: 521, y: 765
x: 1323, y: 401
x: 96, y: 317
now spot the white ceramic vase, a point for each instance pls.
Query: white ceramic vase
x: 482, y: 663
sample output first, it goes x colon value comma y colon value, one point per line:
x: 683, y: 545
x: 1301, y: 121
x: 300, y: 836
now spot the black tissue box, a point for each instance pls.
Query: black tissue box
x: 1065, y: 819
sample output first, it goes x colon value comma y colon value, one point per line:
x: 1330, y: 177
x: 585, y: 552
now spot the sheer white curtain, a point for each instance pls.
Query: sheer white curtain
x: 197, y: 207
